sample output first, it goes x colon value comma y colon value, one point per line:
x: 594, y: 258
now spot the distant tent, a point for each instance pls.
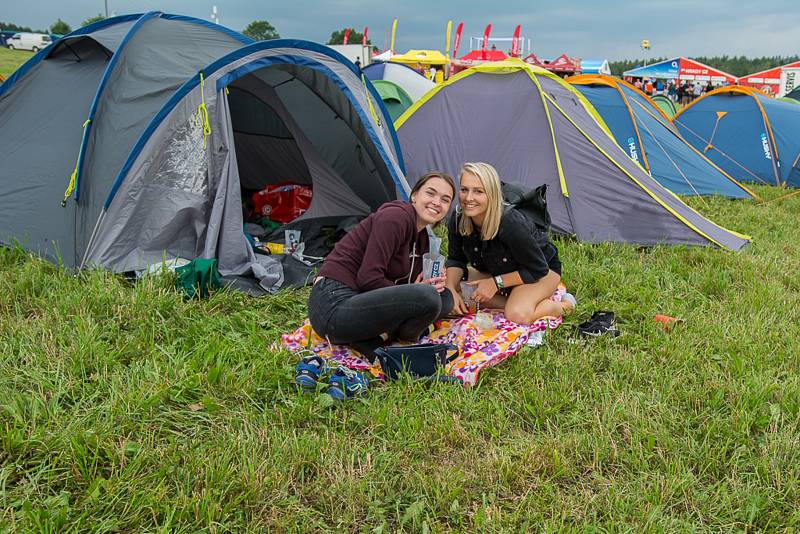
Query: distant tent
x: 665, y: 104
x: 648, y: 137
x: 411, y: 81
x: 394, y: 98
x: 751, y: 136
x: 183, y: 120
x: 2, y: 79
x: 681, y: 68
x: 422, y: 57
x: 535, y: 128
x: 595, y: 66
x: 795, y: 94
x: 767, y: 81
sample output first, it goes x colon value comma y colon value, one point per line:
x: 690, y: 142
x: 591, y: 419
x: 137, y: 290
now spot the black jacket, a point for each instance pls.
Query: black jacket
x: 518, y: 246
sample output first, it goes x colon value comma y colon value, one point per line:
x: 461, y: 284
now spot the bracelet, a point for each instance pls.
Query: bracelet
x: 498, y: 281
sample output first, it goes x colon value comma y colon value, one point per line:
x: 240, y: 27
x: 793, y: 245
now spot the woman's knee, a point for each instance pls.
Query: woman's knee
x: 427, y: 298
x: 520, y: 313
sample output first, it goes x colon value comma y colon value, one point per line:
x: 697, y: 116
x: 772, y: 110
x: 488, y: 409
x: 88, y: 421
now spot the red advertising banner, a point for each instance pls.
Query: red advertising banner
x: 346, y: 35
x: 486, y: 33
x: 515, y: 42
x: 457, y: 40
x: 364, y: 39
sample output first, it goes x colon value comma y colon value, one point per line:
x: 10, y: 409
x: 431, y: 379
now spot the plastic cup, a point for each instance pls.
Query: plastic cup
x: 435, y: 244
x: 432, y: 266
x: 483, y: 321
x: 466, y: 292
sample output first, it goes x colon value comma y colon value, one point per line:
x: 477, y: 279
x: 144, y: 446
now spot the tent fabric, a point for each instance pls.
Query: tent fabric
x: 644, y: 132
x: 753, y: 137
x: 411, y: 81
x: 534, y: 128
x: 595, y: 66
x: 423, y: 57
x: 183, y: 115
x: 795, y: 94
x: 394, y: 98
x: 665, y: 104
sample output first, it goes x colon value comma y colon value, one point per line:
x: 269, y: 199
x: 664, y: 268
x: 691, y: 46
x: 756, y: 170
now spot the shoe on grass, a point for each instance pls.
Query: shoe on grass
x: 346, y: 383
x: 308, y: 371
x: 570, y: 299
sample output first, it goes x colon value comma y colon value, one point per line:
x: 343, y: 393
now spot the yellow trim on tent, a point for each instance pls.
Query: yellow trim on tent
x: 753, y: 93
x: 652, y: 195
x: 423, y: 57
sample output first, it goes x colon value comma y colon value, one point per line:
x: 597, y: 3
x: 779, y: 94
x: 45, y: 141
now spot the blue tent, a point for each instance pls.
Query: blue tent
x: 794, y: 94
x: 595, y: 66
x: 752, y: 136
x: 646, y: 135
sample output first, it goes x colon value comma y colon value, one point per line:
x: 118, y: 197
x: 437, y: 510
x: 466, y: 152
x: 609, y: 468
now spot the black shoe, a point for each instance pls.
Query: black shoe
x: 600, y: 323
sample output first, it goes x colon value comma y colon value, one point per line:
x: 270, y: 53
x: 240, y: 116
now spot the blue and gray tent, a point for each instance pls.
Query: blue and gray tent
x: 643, y: 131
x: 535, y: 128
x: 795, y: 94
x: 169, y: 119
x: 753, y: 137
x: 411, y: 81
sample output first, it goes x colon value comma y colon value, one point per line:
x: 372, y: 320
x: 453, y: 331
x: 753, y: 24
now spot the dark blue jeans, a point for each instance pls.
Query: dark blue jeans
x: 404, y: 312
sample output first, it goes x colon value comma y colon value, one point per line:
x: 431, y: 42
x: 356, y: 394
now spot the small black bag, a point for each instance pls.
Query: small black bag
x: 420, y: 361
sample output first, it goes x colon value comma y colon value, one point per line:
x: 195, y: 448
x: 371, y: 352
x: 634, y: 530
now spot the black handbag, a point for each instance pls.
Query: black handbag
x: 420, y: 361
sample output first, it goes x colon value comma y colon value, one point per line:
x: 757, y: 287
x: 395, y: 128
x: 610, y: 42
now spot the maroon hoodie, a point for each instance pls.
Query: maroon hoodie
x: 378, y: 252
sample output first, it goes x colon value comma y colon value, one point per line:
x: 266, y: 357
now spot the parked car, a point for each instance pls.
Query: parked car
x: 29, y: 41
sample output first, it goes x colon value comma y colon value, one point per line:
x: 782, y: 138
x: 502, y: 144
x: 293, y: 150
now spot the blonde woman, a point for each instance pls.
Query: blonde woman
x: 511, y: 264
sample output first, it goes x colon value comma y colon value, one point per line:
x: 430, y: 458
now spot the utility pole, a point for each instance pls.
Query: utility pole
x: 106, y: 3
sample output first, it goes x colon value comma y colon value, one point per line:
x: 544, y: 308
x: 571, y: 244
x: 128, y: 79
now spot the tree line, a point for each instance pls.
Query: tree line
x: 735, y: 65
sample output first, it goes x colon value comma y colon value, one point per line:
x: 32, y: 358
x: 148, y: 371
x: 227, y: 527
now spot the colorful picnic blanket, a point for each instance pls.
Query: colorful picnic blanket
x: 479, y: 349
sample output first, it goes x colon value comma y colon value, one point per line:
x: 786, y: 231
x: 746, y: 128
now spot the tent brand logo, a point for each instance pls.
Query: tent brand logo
x: 765, y: 146
x: 632, y: 149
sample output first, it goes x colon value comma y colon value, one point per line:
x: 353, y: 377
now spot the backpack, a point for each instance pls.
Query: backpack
x: 532, y: 203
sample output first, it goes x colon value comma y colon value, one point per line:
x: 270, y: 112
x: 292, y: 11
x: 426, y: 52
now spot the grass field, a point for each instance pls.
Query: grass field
x: 10, y: 60
x: 124, y: 408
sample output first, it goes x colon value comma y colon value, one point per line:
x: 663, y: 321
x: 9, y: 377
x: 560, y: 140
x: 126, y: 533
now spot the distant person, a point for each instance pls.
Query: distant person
x: 672, y: 92
x: 358, y: 63
x: 638, y: 84
x: 697, y: 91
x: 659, y: 87
x: 709, y: 87
x: 648, y: 88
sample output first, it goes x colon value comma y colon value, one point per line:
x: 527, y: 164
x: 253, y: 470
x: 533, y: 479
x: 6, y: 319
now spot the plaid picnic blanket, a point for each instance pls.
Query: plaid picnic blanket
x: 479, y: 349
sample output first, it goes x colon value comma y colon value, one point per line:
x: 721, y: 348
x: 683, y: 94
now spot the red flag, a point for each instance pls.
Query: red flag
x: 346, y: 35
x: 364, y: 40
x: 457, y: 40
x: 515, y: 42
x: 486, y: 33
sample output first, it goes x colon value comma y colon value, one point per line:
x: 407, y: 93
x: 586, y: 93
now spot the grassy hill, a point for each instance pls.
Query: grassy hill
x: 10, y: 60
x: 125, y: 408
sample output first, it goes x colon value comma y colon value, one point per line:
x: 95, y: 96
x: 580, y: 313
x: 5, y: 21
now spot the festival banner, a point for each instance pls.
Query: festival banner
x: 486, y: 33
x: 457, y: 40
x: 515, y: 42
x: 447, y: 37
x: 346, y: 35
x: 394, y: 29
x: 364, y: 39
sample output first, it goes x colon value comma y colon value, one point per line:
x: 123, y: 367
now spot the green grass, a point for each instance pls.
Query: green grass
x: 10, y: 60
x: 124, y: 408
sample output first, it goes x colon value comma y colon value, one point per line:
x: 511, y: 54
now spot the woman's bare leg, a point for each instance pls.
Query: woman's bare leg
x: 530, y: 302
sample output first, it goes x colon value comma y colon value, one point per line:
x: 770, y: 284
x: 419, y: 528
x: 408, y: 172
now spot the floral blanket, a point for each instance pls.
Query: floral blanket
x: 479, y: 349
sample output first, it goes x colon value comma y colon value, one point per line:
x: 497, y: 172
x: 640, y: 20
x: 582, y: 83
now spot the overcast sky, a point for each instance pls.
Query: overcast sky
x: 611, y: 29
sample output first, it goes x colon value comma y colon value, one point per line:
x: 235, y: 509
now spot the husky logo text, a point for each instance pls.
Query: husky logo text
x: 765, y: 146
x: 632, y: 149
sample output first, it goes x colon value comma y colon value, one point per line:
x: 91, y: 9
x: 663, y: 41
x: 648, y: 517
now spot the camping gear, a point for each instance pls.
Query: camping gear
x: 530, y: 202
x: 422, y: 360
x: 753, y: 137
x: 394, y: 97
x: 179, y: 119
x: 642, y: 130
x: 535, y: 128
x: 282, y: 202
x: 198, y: 278
x: 409, y: 80
x: 478, y: 350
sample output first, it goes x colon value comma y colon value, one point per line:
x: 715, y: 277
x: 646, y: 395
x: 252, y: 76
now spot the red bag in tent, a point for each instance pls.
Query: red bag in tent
x: 282, y: 202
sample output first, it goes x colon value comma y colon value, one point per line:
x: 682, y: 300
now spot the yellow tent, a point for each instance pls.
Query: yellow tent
x: 422, y: 57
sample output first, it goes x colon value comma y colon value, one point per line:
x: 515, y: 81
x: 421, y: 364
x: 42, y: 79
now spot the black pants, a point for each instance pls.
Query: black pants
x: 347, y: 317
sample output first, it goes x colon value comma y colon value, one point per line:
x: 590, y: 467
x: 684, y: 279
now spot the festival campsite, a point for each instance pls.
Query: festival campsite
x: 248, y: 285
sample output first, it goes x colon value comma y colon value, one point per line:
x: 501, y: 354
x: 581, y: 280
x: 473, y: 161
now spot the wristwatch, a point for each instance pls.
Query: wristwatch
x: 498, y: 281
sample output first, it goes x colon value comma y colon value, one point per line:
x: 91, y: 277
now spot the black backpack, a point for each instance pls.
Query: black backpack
x: 532, y: 203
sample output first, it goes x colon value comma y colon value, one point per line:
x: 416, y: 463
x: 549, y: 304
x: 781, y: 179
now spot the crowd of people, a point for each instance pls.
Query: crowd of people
x: 680, y: 93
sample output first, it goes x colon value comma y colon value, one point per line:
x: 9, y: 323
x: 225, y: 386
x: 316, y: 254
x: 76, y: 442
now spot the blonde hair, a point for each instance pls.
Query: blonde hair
x: 487, y: 175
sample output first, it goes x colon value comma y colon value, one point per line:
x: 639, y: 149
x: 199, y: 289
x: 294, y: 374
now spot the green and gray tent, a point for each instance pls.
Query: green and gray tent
x: 171, y: 119
x: 394, y: 97
x: 535, y: 128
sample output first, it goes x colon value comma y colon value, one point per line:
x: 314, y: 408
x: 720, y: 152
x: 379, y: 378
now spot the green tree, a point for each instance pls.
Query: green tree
x: 355, y: 37
x: 92, y: 19
x: 60, y: 27
x: 9, y: 27
x: 261, y: 30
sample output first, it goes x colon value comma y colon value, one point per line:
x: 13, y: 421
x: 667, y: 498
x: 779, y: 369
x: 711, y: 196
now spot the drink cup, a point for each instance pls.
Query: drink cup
x: 432, y: 266
x: 483, y: 321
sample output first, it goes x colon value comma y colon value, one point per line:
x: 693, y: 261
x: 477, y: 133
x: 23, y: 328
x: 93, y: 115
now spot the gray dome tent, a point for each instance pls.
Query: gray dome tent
x: 181, y: 116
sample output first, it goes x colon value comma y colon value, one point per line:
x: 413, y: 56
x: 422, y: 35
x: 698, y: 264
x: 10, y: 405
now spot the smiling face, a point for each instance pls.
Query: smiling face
x: 473, y: 198
x: 432, y: 201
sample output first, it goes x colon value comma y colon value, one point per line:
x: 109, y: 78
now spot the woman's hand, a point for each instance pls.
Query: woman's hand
x: 459, y: 306
x: 437, y: 282
x: 484, y: 290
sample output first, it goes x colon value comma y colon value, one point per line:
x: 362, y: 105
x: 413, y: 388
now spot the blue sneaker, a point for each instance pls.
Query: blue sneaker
x: 345, y: 383
x: 308, y: 371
